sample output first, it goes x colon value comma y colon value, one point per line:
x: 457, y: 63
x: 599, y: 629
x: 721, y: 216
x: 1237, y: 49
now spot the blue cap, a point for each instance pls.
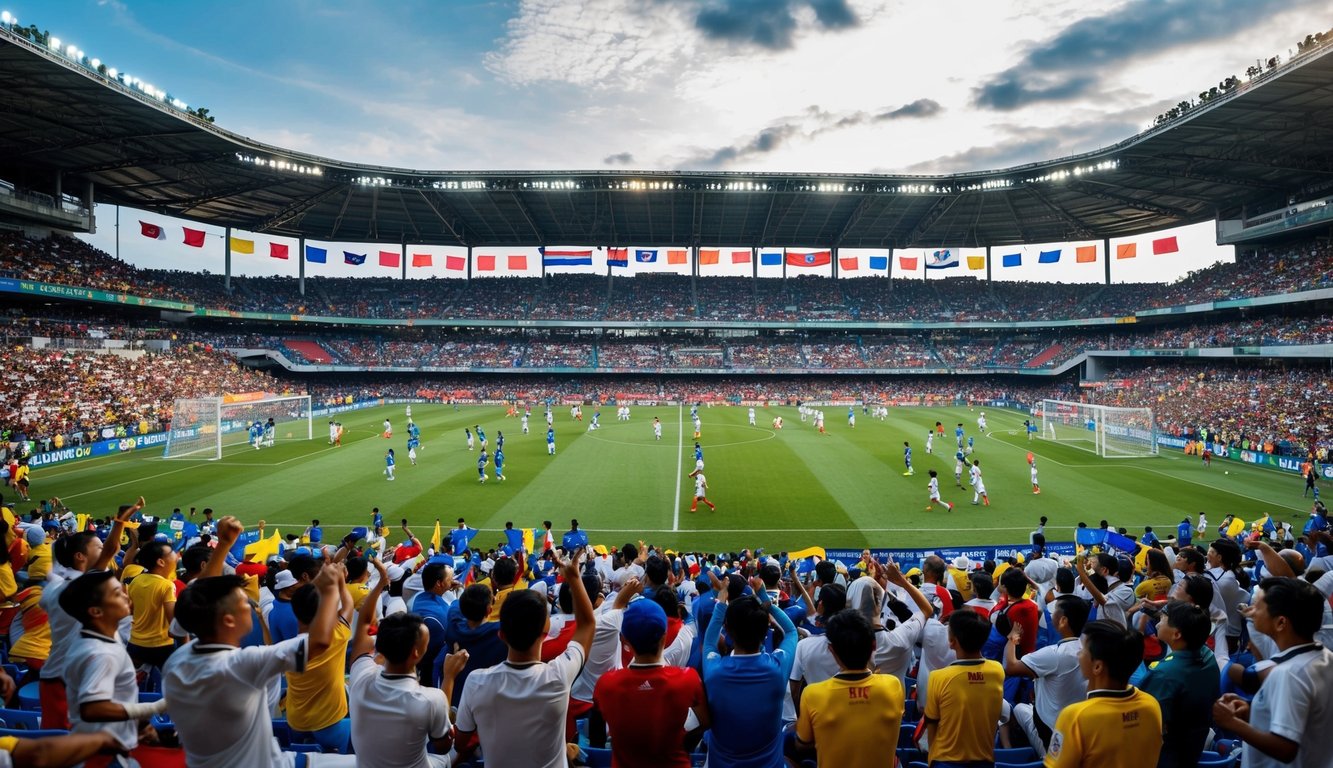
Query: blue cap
x: 643, y: 625
x: 358, y: 533
x: 304, y: 551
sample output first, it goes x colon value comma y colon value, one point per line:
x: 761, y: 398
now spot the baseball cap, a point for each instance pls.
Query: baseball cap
x: 283, y: 580
x: 643, y: 624
x: 305, y: 551
x: 34, y: 535
x: 912, y: 572
x: 396, y: 572
x: 962, y: 563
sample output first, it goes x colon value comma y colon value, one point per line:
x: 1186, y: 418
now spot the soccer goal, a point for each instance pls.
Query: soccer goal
x: 1109, y: 432
x: 201, y: 427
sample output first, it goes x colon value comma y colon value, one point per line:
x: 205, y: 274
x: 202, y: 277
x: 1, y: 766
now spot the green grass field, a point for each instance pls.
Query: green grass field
x: 778, y: 490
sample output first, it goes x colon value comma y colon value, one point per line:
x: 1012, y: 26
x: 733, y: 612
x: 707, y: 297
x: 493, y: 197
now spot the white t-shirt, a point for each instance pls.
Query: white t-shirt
x: 394, y: 717
x: 528, y: 699
x: 814, y: 660
x: 1060, y: 681
x: 603, y: 656
x: 99, y: 669
x: 1119, y: 599
x: 219, y: 701
x: 935, y: 654
x: 700, y: 485
x: 894, y: 648
x: 64, y: 629
x: 1296, y: 703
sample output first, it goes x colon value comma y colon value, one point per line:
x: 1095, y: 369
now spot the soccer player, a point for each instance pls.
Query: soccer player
x: 525, y: 423
x: 939, y: 429
x: 412, y: 445
x: 338, y: 434
x: 970, y: 445
x: 752, y: 417
x: 958, y: 463
x: 819, y: 422
x: 256, y: 434
x: 698, y: 428
x: 482, y: 460
x: 481, y: 436
x: 388, y: 429
x: 907, y: 459
x: 550, y: 441
x: 698, y: 460
x: 1117, y: 725
x: 389, y: 461
x: 934, y: 487
x: 981, y: 423
x: 978, y: 484
x: 593, y: 423
x: 468, y: 432
x: 270, y: 431
x: 499, y: 440
x: 333, y: 431
x: 414, y: 431
x: 958, y: 434
x: 409, y: 412
x: 701, y: 492
x: 851, y: 417
x: 1031, y: 429
x: 657, y: 428
x: 550, y: 417
x: 1032, y: 466
x: 930, y: 441
x: 499, y: 463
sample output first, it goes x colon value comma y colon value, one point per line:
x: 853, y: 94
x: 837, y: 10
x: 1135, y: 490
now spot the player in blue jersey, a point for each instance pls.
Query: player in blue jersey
x: 550, y: 441
x: 414, y: 431
x: 958, y: 434
x: 256, y: 434
x: 388, y: 464
x: 270, y: 432
x: 376, y: 519
x: 499, y: 440
x: 412, y: 445
x: 468, y: 432
x: 481, y: 436
x: 1184, y: 533
x: 958, y: 463
x: 907, y: 459
x: 970, y: 445
x: 482, y: 460
x: 499, y: 463
x: 698, y: 460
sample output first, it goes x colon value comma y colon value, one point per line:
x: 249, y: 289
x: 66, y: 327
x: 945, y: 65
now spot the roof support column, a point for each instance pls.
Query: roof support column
x: 300, y: 264
x: 988, y: 264
x: 88, y: 202
x: 403, y: 243
x: 226, y: 264
x: 833, y: 257
x: 1106, y: 254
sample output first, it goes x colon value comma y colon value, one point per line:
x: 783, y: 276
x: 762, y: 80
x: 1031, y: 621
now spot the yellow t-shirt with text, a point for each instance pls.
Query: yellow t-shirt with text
x: 852, y: 719
x: 317, y: 697
x: 965, y: 699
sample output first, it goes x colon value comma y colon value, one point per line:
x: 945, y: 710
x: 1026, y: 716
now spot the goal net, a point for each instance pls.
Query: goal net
x: 1105, y: 430
x: 202, y: 427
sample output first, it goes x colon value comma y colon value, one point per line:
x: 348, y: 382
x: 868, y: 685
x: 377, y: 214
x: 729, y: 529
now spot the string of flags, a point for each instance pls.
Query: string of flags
x: 623, y: 257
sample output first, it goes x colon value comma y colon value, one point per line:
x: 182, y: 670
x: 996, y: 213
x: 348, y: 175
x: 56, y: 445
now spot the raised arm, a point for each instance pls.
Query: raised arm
x: 1080, y: 562
x: 895, y: 576
x: 1277, y: 567
x: 112, y: 545
x: 229, y: 530
x: 362, y: 641
x: 329, y: 582
x: 585, y: 622
x: 714, y: 631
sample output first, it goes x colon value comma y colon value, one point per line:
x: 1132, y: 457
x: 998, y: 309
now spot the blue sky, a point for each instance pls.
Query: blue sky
x: 761, y: 85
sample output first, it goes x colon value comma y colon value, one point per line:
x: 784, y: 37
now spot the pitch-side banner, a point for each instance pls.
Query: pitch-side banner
x: 98, y: 448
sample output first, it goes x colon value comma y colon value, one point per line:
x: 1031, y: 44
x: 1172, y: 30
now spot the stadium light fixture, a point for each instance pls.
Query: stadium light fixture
x: 55, y: 43
x: 6, y: 18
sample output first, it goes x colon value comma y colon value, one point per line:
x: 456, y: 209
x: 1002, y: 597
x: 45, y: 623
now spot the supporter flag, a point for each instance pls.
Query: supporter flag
x: 316, y: 255
x: 1049, y: 257
x: 194, y: 237
x: 1141, y: 559
x: 879, y: 263
x: 1236, y: 528
x: 243, y: 542
x: 1090, y: 537
x: 617, y: 257
x: 553, y: 257
x: 849, y: 263
x: 388, y: 259
x: 242, y: 246
x: 1011, y: 260
x: 421, y: 260
x: 740, y: 257
x: 1164, y: 245
x: 677, y: 257
x: 944, y: 259
x: 529, y: 539
x: 518, y: 263
x: 435, y: 537
x: 354, y: 259
x: 1085, y: 254
x: 486, y: 263
x: 455, y: 263
x: 644, y: 256
x: 770, y: 259
x: 151, y: 231
x: 907, y: 263
x: 1120, y: 542
x: 1265, y: 524
x: 262, y: 549
x: 812, y: 259
x: 976, y: 262
x: 277, y: 251
x: 1126, y: 251
x: 709, y: 256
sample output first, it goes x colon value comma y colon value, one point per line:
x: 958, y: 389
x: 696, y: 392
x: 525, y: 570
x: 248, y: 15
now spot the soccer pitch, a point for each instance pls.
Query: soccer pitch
x: 777, y: 489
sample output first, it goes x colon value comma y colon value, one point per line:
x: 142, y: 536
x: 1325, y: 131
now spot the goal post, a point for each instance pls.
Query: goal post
x: 1108, y: 431
x: 202, y: 427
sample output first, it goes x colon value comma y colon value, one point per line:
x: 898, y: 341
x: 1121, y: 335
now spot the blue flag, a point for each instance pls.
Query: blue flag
x: 879, y: 262
x: 1011, y: 260
x: 1048, y: 257
x: 770, y: 259
x: 1090, y: 537
x: 316, y: 255
x: 355, y: 259
x: 1121, y: 542
x: 645, y: 256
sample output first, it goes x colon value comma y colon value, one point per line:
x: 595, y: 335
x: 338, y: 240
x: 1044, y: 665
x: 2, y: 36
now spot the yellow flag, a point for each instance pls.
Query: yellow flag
x: 262, y: 550
x: 804, y: 553
x: 1141, y: 559
x: 242, y: 246
x: 1237, y: 527
x: 529, y: 537
x: 81, y: 521
x: 436, y: 537
x: 976, y: 262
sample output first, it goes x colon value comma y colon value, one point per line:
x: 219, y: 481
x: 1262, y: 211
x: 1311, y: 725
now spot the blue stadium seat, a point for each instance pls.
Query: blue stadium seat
x: 1031, y: 764
x: 20, y: 718
x: 30, y: 697
x: 907, y: 735
x: 311, y: 747
x: 1227, y: 761
x: 1015, y: 755
x: 910, y: 713
x: 36, y: 734
x: 282, y: 732
x: 598, y: 758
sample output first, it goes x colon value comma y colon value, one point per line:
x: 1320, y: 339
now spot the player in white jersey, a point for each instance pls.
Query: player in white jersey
x: 934, y: 487
x: 981, y: 423
x: 819, y: 422
x: 550, y: 418
x: 930, y: 441
x: 1032, y: 464
x: 1203, y: 523
x: 978, y: 484
x: 409, y: 412
x: 701, y: 493
x: 333, y: 431
x: 752, y: 417
x: 525, y: 423
x: 388, y: 429
x: 657, y: 428
x: 801, y: 411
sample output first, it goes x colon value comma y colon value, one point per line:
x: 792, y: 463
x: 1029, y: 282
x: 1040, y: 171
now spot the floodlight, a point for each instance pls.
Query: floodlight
x: 55, y: 43
x: 96, y: 63
x: 5, y: 17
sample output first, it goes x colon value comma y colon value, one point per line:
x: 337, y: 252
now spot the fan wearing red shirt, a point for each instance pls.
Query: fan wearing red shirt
x: 645, y: 704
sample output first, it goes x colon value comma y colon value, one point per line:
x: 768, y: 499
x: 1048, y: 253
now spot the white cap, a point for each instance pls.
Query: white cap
x: 962, y: 563
x: 283, y: 580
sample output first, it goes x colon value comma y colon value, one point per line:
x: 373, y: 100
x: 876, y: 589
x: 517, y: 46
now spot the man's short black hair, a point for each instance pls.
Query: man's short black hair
x: 1297, y: 601
x: 1191, y: 621
x: 83, y: 593
x: 1194, y: 558
x: 397, y: 636
x: 505, y: 572
x: 592, y: 584
x: 970, y: 629
x: 431, y: 575
x: 67, y: 547
x: 833, y: 597
x: 982, y: 584
x: 851, y: 637
x: 523, y: 619
x: 475, y: 602
x: 746, y: 623
x: 771, y: 574
x: 195, y: 558
x: 201, y: 603
x: 630, y: 553
x: 1075, y: 610
x: 657, y: 570
x: 1013, y: 581
x: 151, y: 552
x: 826, y: 571
x: 305, y: 603
x: 303, y: 565
x: 667, y: 599
x: 357, y: 565
x: 1120, y: 649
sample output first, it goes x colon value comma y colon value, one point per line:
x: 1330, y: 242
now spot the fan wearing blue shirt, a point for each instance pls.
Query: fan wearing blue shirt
x: 460, y: 537
x: 429, y: 605
x: 513, y: 537
x: 574, y: 539
x: 1184, y: 532
x: 745, y: 689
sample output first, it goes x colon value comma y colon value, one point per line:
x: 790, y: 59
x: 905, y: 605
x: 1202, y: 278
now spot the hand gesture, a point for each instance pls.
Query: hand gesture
x: 569, y: 568
x: 1016, y: 633
x: 454, y: 663
x: 627, y: 592
x: 331, y: 577
x: 1230, y: 709
x: 381, y: 570
x: 893, y: 574
x: 760, y: 590
x: 229, y: 530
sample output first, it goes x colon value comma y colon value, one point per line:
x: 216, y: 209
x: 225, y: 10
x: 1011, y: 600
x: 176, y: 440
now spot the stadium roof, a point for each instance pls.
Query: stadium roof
x: 1250, y: 149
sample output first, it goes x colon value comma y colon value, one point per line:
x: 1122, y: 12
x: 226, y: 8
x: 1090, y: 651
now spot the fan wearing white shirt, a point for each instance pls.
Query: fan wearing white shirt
x: 218, y: 690
x: 1060, y: 680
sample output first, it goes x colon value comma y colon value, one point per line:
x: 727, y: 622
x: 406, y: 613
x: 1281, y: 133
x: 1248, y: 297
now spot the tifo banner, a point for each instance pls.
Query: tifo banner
x: 243, y: 397
x: 10, y: 285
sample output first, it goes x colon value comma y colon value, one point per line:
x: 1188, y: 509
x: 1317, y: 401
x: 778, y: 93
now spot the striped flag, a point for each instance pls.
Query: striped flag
x: 617, y: 257
x: 555, y: 257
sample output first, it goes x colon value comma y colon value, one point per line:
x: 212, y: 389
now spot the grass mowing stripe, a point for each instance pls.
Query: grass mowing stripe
x: 680, y: 457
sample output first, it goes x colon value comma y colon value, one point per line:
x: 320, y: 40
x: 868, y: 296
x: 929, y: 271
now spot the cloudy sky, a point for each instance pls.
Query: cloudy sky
x: 919, y: 86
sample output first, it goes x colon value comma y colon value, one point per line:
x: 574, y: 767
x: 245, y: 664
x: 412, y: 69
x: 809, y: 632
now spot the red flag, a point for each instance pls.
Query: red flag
x: 1126, y: 251
x: 849, y: 264
x: 907, y: 263
x: 194, y: 237
x: 277, y: 251
x: 421, y: 260
x: 151, y: 230
x: 812, y: 259
x: 676, y: 257
x: 709, y: 256
x: 1085, y: 254
x: 388, y: 259
x: 486, y: 263
x: 456, y: 263
x: 740, y: 257
x: 518, y: 263
x: 1164, y: 245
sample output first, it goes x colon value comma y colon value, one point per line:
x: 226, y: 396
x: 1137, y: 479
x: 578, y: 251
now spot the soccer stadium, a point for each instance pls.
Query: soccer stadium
x: 317, y: 460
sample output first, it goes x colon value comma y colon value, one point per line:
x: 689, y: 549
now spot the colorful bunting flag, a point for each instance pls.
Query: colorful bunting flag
x: 553, y: 257
x: 1164, y: 245
x: 1049, y: 257
x: 354, y: 259
x: 435, y: 537
x: 645, y: 256
x: 880, y: 263
x: 316, y: 255
x: 518, y: 263
x: 677, y: 257
x: 709, y: 256
x: 907, y: 263
x: 1085, y: 254
x: 486, y: 262
x: 388, y: 259
x: 849, y: 263
x: 242, y: 246
x: 151, y: 231
x: 770, y: 259
x: 617, y: 257
x: 812, y: 259
x: 1011, y: 260
x: 422, y: 260
x: 740, y: 257
x: 1126, y: 251
x: 943, y: 259
x: 455, y: 263
x: 277, y: 251
x: 194, y: 237
x: 976, y: 262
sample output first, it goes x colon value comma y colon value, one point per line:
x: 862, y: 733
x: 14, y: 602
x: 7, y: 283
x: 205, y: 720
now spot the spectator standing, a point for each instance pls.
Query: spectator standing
x: 965, y: 699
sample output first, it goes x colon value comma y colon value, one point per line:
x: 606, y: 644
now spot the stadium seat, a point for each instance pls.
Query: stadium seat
x: 907, y: 735
x: 31, y: 734
x: 311, y: 747
x: 1029, y: 764
x: 910, y: 713
x: 598, y: 758
x: 30, y: 697
x: 282, y: 732
x: 1015, y: 755
x: 18, y: 718
x: 1222, y: 761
